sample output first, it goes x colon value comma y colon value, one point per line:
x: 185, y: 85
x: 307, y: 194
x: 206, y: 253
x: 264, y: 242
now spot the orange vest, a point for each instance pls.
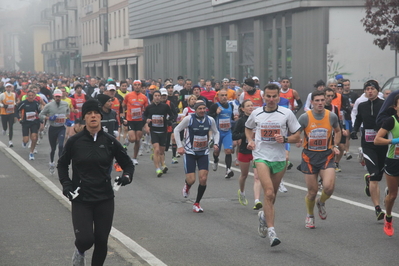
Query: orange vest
x: 318, y: 133
x: 116, y: 107
x: 289, y: 95
x: 337, y: 101
x: 10, y: 101
x: 135, y: 106
x: 256, y: 98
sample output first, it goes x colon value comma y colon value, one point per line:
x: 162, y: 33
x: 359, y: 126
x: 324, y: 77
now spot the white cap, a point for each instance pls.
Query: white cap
x: 163, y: 91
x: 111, y: 87
x: 8, y: 84
x: 255, y: 78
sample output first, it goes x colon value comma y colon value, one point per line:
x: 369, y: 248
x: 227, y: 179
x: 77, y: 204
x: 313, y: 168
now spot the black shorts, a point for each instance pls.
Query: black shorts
x: 192, y: 161
x: 314, y: 161
x: 374, y: 158
x: 391, y: 167
x: 135, y: 125
x: 30, y: 126
x: 158, y: 138
x: 343, y: 139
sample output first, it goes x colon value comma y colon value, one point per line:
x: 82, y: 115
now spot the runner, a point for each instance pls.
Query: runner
x: 390, y: 127
x: 134, y: 105
x: 29, y: 110
x: 374, y: 155
x: 290, y: 94
x: 7, y: 112
x: 155, y: 116
x: 196, y: 152
x: 222, y: 112
x: 91, y: 152
x: 272, y: 123
x: 245, y: 157
x: 322, y: 134
x: 56, y: 112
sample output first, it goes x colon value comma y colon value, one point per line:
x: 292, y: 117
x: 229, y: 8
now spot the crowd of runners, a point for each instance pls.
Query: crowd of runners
x: 253, y: 124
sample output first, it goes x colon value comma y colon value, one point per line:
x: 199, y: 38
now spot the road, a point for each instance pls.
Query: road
x: 155, y: 225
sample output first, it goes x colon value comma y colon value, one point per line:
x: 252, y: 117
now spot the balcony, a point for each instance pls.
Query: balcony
x: 47, y: 48
x: 71, y: 4
x: 46, y: 15
x: 59, y: 9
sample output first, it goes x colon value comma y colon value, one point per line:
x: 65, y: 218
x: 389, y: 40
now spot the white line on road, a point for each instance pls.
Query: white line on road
x: 124, y: 239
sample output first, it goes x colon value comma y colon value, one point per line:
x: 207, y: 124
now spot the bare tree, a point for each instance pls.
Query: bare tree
x: 382, y: 20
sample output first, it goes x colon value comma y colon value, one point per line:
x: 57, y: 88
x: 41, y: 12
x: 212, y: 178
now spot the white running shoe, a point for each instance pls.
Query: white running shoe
x: 322, y: 209
x: 186, y: 191
x: 215, y: 165
x: 262, y: 228
x: 78, y: 259
x: 31, y: 156
x: 51, y: 168
x: 10, y: 144
x: 309, y: 222
x: 282, y: 188
x: 274, y: 241
x: 135, y: 162
x: 35, y: 151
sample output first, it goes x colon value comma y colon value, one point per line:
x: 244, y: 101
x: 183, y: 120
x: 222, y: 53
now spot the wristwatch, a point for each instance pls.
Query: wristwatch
x: 335, y: 146
x: 285, y: 140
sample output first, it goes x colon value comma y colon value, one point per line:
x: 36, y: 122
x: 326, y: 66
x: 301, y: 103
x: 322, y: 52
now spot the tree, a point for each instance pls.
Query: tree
x: 382, y: 20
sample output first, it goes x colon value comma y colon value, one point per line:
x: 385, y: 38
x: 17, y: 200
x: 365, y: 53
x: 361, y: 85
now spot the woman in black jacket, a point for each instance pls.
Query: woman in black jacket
x: 91, y: 152
x: 245, y: 156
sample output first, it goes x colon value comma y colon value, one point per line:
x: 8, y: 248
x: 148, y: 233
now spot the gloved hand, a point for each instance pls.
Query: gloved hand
x: 52, y: 118
x: 353, y: 135
x: 67, y: 190
x: 69, y: 123
x: 395, y: 141
x: 123, y: 180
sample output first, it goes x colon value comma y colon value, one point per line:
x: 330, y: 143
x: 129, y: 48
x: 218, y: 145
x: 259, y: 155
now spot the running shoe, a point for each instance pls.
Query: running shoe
x: 51, y: 168
x: 380, y: 214
x: 274, y: 241
x: 241, y: 198
x: 322, y: 209
x: 135, y: 162
x: 289, y: 165
x: 348, y: 156
x: 360, y: 155
x: 23, y: 145
x: 35, y: 151
x: 367, y: 188
x: 164, y: 169
x: 174, y: 160
x: 257, y: 205
x: 159, y: 172
x: 282, y: 188
x: 10, y: 144
x: 38, y: 142
x: 40, y: 134
x: 197, y: 208
x: 117, y: 167
x: 215, y: 165
x: 186, y: 190
x: 177, y: 155
x: 337, y: 169
x: 388, y: 227
x: 309, y: 222
x: 140, y: 152
x: 320, y: 184
x: 262, y: 228
x: 229, y: 173
x: 31, y: 156
x: 78, y: 259
x: 152, y: 156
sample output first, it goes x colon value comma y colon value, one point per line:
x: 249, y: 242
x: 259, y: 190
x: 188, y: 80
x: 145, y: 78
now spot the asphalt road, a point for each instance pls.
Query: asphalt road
x: 155, y: 225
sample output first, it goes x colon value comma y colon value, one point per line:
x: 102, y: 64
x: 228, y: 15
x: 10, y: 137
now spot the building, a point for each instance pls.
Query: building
x: 305, y: 40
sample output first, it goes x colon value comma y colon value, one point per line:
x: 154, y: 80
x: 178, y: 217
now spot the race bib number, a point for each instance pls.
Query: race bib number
x: 60, y: 120
x: 268, y: 130
x: 369, y: 135
x: 136, y: 113
x: 30, y: 116
x: 10, y: 109
x: 157, y: 120
x: 224, y: 124
x: 79, y: 106
x: 396, y: 155
x: 317, y: 140
x: 200, y: 143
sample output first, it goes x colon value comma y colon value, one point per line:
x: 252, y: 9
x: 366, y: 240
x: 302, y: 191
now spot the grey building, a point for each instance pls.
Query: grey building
x: 274, y: 38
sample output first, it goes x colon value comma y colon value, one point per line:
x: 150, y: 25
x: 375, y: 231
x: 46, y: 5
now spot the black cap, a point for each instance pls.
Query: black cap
x: 103, y: 98
x: 180, y: 77
x: 91, y: 105
x: 250, y: 82
x: 319, y: 83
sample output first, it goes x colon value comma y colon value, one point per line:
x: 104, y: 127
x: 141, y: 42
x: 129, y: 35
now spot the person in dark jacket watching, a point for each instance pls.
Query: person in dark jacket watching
x: 91, y: 152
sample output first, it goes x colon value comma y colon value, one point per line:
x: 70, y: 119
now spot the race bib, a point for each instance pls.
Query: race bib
x: 30, y: 116
x: 396, y: 155
x: 10, y: 109
x: 268, y: 130
x: 200, y: 143
x: 369, y: 135
x: 60, y: 120
x: 136, y: 113
x: 317, y: 140
x: 224, y: 124
x: 157, y: 121
x: 79, y: 106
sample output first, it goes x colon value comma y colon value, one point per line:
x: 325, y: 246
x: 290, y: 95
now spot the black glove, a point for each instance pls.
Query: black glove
x: 67, y: 190
x: 5, y: 106
x: 353, y: 135
x: 123, y: 180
